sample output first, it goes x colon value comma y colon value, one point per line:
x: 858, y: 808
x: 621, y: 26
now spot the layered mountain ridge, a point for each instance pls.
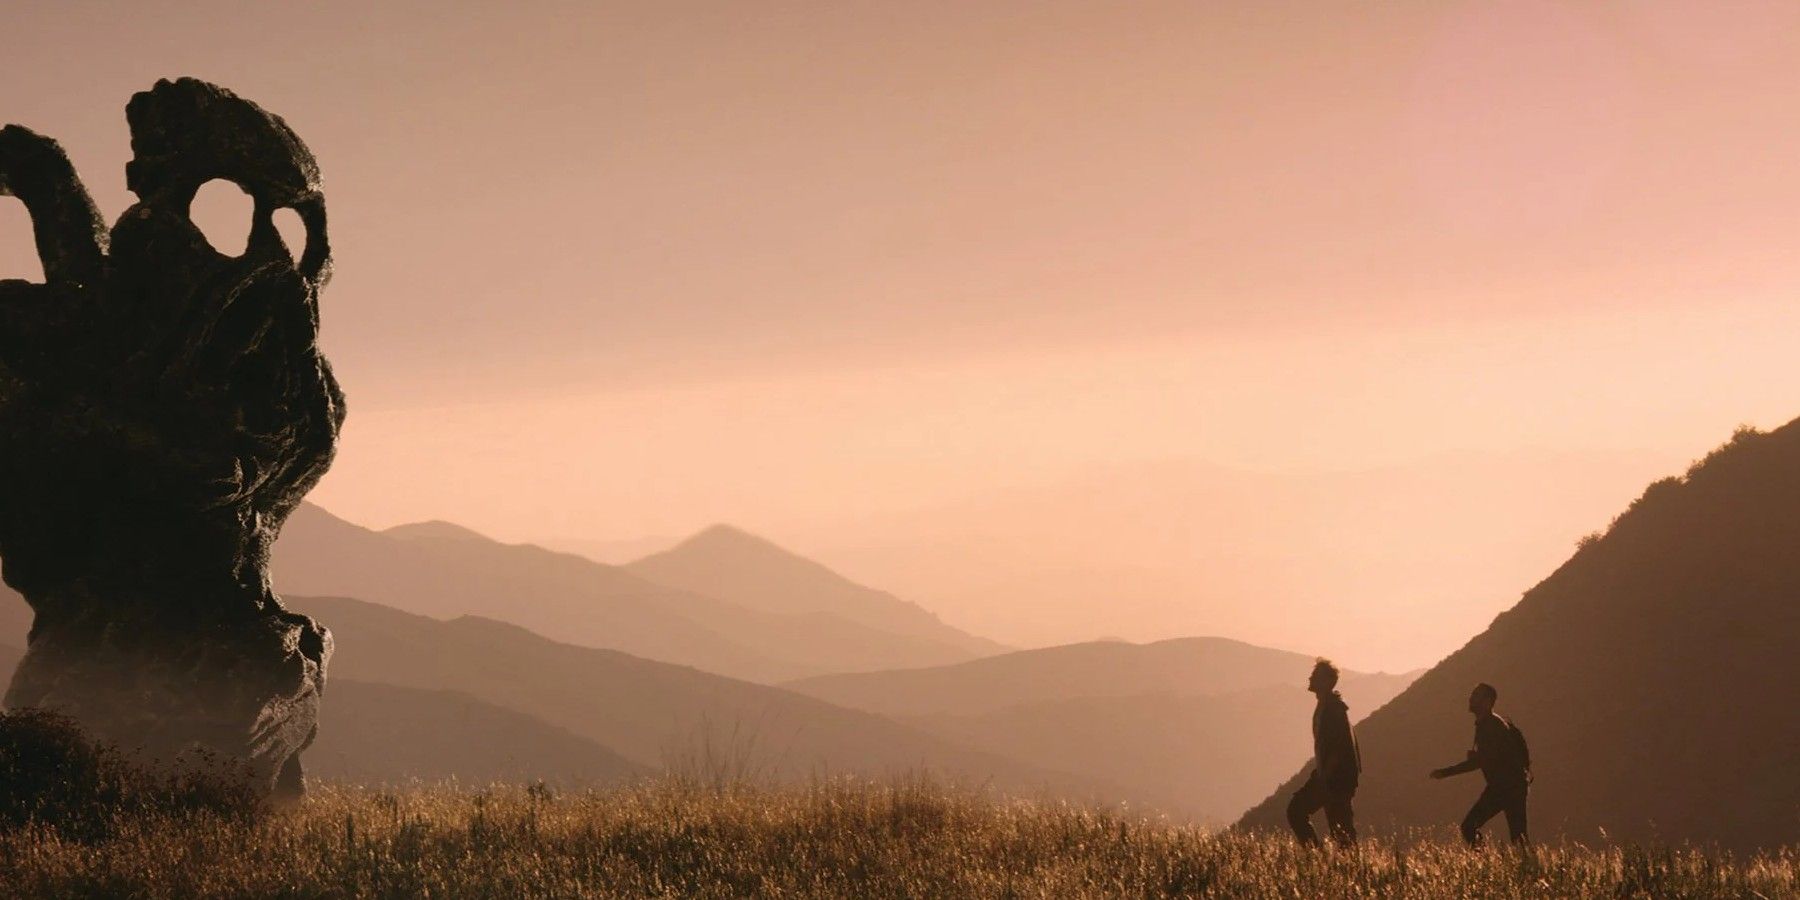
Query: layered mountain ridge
x: 442, y: 570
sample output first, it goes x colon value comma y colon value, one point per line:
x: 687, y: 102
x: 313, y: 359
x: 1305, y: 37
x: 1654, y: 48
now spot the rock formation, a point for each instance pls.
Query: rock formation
x: 163, y: 408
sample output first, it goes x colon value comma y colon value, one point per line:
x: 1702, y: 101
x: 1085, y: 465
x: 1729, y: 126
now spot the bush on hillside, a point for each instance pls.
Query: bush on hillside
x: 53, y: 776
x: 1743, y: 436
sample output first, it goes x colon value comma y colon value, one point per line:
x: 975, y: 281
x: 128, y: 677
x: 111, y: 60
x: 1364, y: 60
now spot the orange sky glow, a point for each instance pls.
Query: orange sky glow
x: 1327, y: 326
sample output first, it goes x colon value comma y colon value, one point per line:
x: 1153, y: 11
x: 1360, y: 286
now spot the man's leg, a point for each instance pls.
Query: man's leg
x: 1515, y: 817
x: 1341, y: 817
x: 1306, y: 801
x: 1486, y: 807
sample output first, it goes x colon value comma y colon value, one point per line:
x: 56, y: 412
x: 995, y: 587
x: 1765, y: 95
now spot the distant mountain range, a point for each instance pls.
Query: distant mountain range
x: 1654, y: 675
x: 650, y: 714
x: 613, y: 552
x: 1182, y: 727
x: 1193, y: 727
x: 1193, y: 667
x: 411, y: 697
x: 804, y: 620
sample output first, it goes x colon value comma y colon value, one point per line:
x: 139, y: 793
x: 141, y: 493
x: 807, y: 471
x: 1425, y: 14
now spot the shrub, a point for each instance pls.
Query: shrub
x: 53, y: 776
x: 51, y: 773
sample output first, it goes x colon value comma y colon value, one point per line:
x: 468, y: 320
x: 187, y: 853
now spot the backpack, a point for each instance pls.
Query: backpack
x: 1520, y: 749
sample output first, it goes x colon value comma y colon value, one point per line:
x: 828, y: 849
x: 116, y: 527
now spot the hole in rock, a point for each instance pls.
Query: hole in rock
x: 18, y: 243
x: 293, y: 232
x: 222, y: 212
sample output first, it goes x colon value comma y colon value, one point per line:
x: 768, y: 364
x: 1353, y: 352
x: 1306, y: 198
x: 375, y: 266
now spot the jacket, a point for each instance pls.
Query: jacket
x: 1334, y: 745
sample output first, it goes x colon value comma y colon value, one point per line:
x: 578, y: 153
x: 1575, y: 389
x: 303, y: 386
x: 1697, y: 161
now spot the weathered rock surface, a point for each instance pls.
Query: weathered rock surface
x: 163, y: 408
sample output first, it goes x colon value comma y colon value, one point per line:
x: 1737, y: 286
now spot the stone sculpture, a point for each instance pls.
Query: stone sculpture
x: 163, y: 408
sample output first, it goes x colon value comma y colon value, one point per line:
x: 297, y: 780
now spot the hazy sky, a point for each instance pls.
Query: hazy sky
x: 609, y: 270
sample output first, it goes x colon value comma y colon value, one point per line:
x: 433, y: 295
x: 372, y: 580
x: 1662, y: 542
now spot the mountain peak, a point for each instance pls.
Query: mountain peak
x: 722, y: 546
x: 725, y: 536
x: 732, y: 564
x: 435, y: 530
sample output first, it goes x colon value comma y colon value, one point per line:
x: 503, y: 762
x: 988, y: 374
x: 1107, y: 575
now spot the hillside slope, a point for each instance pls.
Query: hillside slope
x: 1654, y: 673
x: 379, y: 734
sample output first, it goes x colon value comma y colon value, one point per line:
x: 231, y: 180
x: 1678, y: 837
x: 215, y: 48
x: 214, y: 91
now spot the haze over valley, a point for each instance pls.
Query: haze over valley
x: 455, y: 660
x: 1328, y: 331
x: 462, y: 657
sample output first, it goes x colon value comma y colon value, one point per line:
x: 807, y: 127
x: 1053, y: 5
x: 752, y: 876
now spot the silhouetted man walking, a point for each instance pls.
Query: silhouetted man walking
x: 1339, y: 765
x: 1503, y: 759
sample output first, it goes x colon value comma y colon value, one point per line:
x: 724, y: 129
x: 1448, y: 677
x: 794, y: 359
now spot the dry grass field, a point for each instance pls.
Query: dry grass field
x: 677, y: 838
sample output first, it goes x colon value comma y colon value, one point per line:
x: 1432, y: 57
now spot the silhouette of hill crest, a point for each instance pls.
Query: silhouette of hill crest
x: 1653, y: 671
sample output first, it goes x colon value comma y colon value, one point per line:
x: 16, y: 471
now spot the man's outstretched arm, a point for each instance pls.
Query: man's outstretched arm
x: 1467, y: 765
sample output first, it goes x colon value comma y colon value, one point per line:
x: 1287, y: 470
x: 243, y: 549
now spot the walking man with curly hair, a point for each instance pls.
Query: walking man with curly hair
x: 1338, y: 765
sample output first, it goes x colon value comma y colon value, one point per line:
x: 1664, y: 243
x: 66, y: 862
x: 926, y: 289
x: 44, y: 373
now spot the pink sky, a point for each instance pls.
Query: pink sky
x: 610, y: 270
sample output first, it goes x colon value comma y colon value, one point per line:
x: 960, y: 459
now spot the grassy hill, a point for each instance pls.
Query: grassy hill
x: 1653, y: 673
x: 835, y: 839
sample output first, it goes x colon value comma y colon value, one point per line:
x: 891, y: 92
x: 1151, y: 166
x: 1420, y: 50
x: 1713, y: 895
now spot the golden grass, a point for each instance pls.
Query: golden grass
x: 835, y: 839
